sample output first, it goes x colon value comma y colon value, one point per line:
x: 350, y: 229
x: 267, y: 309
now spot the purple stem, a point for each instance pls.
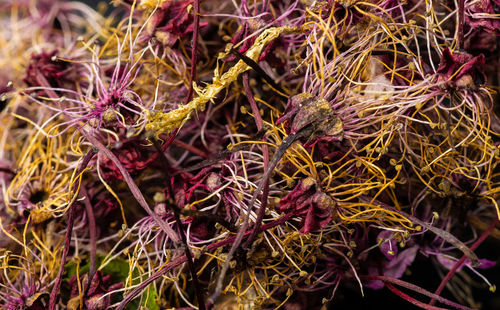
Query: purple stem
x: 194, y: 50
x: 93, y: 236
x: 69, y: 229
x: 190, y: 148
x: 459, y: 263
x: 461, y: 18
x: 136, y: 192
x: 175, y: 210
x: 414, y: 288
x: 265, y: 154
x: 411, y: 299
x: 242, y: 231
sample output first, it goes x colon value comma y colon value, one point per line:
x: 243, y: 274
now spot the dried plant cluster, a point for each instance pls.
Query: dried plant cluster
x: 246, y: 154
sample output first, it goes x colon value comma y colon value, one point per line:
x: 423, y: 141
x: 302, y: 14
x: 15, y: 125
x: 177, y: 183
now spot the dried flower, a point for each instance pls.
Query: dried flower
x: 307, y: 201
x: 460, y: 69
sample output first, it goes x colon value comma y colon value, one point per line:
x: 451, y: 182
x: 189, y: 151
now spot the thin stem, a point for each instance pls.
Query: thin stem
x: 459, y: 263
x: 411, y: 299
x: 175, y: 209
x: 194, y: 50
x: 285, y: 144
x: 254, y: 65
x: 67, y: 238
x: 461, y: 19
x: 136, y: 192
x: 265, y: 154
x: 220, y: 156
x: 93, y: 235
x: 415, y: 288
x: 192, y: 268
x: 190, y: 148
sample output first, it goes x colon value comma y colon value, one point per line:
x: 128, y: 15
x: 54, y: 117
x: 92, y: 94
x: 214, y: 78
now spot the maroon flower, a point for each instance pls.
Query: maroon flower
x: 200, y: 229
x: 476, y: 18
x: 186, y: 184
x: 47, y: 71
x: 133, y: 157
x: 29, y: 299
x: 460, y: 69
x: 172, y: 22
x: 104, y: 209
x: 307, y: 201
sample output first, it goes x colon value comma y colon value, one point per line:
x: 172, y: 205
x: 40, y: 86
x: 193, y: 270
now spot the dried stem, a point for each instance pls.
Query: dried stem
x: 287, y: 142
x: 176, y: 212
x: 255, y: 66
x: 136, y: 192
x: 461, y: 20
x: 265, y: 152
x: 93, y: 235
x: 190, y: 148
x: 415, y: 288
x: 411, y: 299
x: 194, y: 50
x: 459, y: 263
x: 67, y: 238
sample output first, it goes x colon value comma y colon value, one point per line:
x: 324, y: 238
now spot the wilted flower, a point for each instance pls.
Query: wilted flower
x: 305, y: 110
x: 132, y: 155
x: 47, y: 71
x: 307, y: 201
x: 483, y: 15
x: 171, y: 22
x: 460, y: 69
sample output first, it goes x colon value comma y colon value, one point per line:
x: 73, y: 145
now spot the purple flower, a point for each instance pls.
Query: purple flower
x: 393, y: 268
x: 449, y: 262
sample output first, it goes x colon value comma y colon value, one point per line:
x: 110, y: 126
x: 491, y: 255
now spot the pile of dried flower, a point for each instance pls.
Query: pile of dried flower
x: 159, y: 154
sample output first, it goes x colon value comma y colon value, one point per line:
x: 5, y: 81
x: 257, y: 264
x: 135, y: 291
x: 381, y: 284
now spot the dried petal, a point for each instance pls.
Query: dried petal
x: 461, y: 69
x: 309, y: 202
